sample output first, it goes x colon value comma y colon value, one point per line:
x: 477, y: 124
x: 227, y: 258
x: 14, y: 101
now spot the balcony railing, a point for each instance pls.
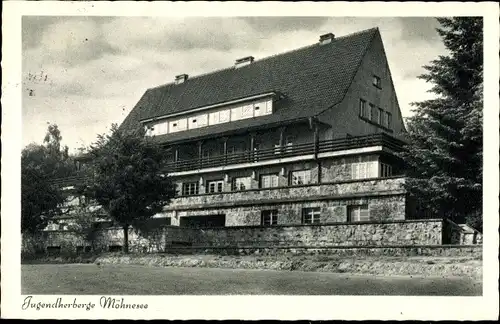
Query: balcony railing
x: 287, y: 151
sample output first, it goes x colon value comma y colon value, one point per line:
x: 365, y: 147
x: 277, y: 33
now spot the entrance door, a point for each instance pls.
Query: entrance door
x: 203, y: 221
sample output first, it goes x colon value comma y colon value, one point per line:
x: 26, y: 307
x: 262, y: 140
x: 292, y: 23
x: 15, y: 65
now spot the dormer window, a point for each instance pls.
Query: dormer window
x: 256, y: 108
x: 377, y: 82
x: 174, y: 124
x: 194, y: 120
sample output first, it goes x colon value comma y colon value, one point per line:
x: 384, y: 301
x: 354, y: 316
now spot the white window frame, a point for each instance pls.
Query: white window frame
x: 190, y: 188
x: 289, y: 140
x: 217, y: 185
x: 311, y: 215
x: 364, y: 170
x: 269, y: 217
x: 241, y: 183
x: 296, y: 176
x: 269, y: 180
x: 359, y: 213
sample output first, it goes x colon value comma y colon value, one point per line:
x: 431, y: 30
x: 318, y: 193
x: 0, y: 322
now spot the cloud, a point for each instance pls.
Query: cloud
x: 174, y: 34
x: 272, y: 25
x: 419, y: 29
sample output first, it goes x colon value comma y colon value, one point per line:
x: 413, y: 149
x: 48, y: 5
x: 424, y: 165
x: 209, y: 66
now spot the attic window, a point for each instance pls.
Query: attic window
x: 256, y: 107
x: 174, y: 124
x: 377, y: 82
x: 194, y: 120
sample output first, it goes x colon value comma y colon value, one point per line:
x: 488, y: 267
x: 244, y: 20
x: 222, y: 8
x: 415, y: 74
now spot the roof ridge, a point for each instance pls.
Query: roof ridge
x: 268, y: 57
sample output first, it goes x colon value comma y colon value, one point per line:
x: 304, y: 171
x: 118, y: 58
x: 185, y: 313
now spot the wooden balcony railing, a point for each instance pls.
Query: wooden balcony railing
x: 287, y: 151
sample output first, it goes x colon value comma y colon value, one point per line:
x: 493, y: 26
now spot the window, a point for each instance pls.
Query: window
x: 385, y: 120
x: 231, y: 149
x: 241, y: 183
x: 219, y: 117
x: 215, y: 186
x: 389, y: 119
x: 190, y: 188
x: 268, y: 180
x: 362, y: 108
x: 385, y: 170
x: 198, y: 121
x: 247, y: 111
x: 269, y: 217
x: 377, y: 82
x: 359, y: 213
x: 236, y: 113
x: 380, y: 115
x: 374, y: 113
x: 300, y: 177
x: 311, y: 215
x: 224, y: 116
x: 289, y: 143
x: 269, y: 107
x: 177, y: 125
x: 363, y: 170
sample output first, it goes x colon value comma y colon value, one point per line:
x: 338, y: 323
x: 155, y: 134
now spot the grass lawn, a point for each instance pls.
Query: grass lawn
x: 90, y: 279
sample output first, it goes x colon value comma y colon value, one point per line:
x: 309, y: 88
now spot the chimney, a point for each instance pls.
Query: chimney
x: 180, y: 78
x: 326, y: 38
x: 243, y: 61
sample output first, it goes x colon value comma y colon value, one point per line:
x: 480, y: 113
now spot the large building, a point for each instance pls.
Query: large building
x: 304, y: 141
x: 307, y: 136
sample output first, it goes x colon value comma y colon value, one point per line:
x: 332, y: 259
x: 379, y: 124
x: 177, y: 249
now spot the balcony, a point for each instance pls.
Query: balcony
x: 313, y: 149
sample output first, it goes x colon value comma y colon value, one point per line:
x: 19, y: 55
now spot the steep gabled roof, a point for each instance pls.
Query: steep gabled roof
x: 312, y: 79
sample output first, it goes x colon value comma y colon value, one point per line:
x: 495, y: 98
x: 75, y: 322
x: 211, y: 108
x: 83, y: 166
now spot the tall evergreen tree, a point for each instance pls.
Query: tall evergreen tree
x: 444, y: 155
x: 127, y: 178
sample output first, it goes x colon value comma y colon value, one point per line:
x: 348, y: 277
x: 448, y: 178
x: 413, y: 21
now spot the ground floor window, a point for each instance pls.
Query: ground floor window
x: 190, y: 188
x: 269, y: 217
x: 268, y: 180
x: 203, y: 221
x: 359, y: 213
x: 385, y: 170
x: 241, y: 183
x: 364, y: 170
x: 215, y: 186
x: 115, y: 248
x: 311, y: 215
x: 54, y: 250
x: 300, y: 177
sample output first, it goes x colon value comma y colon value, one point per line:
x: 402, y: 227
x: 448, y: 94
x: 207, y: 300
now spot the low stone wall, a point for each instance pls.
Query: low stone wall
x: 473, y: 251
x: 422, y: 232
x: 387, y: 233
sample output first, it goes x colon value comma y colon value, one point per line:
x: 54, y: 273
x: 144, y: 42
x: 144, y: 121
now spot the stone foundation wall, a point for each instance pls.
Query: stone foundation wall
x: 425, y: 232
x: 384, y: 197
x: 474, y: 251
x: 392, y: 233
x: 290, y: 213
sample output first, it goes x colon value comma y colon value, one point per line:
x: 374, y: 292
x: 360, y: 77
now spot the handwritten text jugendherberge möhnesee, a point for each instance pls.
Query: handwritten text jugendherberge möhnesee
x: 104, y: 302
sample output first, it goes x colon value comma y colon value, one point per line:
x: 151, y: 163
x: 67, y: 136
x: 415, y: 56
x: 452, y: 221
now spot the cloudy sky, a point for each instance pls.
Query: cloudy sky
x: 84, y: 73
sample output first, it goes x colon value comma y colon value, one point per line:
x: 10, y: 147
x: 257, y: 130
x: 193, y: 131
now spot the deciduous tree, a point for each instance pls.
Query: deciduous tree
x: 127, y: 177
x: 444, y: 154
